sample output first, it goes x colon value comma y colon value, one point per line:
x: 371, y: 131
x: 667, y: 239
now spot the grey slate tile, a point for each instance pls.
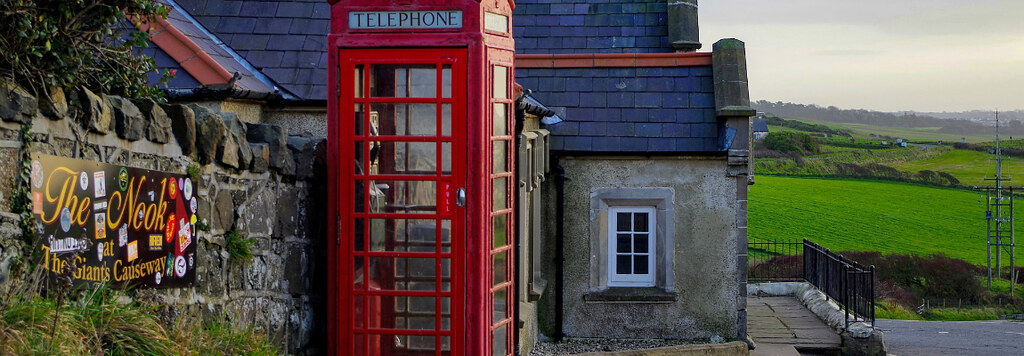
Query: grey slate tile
x: 294, y: 9
x: 236, y: 25
x: 258, y: 9
x: 578, y: 143
x: 648, y: 130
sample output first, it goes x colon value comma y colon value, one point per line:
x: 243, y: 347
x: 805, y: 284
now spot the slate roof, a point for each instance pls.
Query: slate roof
x: 760, y: 125
x: 285, y: 40
x: 647, y: 109
x: 591, y: 26
x: 181, y: 80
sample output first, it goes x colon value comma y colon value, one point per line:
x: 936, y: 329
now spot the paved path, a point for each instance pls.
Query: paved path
x: 779, y: 325
x: 910, y: 337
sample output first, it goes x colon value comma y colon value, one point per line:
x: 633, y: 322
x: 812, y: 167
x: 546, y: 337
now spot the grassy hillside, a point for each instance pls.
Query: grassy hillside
x: 970, y: 167
x: 926, y: 134
x: 862, y: 215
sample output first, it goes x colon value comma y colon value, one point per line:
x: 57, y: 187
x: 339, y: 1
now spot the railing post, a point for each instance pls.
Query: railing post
x: 872, y: 276
x: 846, y: 271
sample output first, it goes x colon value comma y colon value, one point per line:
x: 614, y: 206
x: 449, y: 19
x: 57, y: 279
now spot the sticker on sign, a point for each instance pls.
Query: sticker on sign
x: 383, y: 20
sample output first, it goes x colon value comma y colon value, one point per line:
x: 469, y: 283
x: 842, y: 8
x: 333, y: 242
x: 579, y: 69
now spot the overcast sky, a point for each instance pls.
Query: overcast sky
x: 889, y: 55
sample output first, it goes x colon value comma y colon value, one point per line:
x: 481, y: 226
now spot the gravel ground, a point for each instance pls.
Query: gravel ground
x: 571, y: 346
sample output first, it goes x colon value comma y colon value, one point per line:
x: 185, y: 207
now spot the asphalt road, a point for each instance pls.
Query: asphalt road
x: 908, y: 337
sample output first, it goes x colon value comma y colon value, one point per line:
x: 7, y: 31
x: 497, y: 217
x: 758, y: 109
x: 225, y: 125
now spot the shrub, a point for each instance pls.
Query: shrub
x: 787, y: 142
x: 65, y: 43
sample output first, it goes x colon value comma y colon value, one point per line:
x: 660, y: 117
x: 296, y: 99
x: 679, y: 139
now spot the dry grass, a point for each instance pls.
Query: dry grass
x: 95, y: 323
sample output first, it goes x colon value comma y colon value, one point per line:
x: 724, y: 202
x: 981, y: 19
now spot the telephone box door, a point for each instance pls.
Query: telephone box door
x: 402, y: 114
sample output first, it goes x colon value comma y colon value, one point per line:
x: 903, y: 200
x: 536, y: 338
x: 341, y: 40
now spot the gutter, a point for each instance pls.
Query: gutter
x: 559, y: 248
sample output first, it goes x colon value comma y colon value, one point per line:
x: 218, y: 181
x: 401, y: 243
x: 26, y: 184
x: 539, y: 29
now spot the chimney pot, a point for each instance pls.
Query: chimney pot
x: 683, y: 30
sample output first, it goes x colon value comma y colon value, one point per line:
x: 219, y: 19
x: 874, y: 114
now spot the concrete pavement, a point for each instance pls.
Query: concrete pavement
x: 911, y: 337
x: 780, y: 326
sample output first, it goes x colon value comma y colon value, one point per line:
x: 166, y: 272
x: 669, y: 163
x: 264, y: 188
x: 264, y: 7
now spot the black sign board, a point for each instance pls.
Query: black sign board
x: 116, y: 224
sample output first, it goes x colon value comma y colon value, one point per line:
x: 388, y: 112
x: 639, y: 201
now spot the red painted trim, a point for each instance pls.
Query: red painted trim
x: 190, y: 56
x: 612, y: 60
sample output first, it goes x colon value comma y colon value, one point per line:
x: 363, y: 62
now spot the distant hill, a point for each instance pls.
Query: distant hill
x: 951, y: 124
x: 986, y: 115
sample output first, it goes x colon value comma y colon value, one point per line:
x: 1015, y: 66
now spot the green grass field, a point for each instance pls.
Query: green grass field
x: 924, y: 134
x: 970, y: 167
x: 858, y: 215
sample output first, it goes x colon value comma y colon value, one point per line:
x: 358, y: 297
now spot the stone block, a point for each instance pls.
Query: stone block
x: 55, y: 104
x: 233, y: 151
x: 98, y: 116
x: 223, y: 214
x: 16, y: 103
x: 863, y: 341
x: 277, y: 138
x: 260, y: 210
x: 183, y: 125
x: 288, y: 215
x: 260, y: 157
x: 304, y: 149
x: 159, y: 128
x: 210, y: 130
x: 210, y: 274
x: 128, y: 119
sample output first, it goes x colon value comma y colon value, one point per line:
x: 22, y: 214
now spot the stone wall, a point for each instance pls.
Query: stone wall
x: 699, y: 298
x: 254, y: 178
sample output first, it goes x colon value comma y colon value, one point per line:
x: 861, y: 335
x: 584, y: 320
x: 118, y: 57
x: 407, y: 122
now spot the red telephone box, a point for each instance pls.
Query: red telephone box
x: 420, y: 130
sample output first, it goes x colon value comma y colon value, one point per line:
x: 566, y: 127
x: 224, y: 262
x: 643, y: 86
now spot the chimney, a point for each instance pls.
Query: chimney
x: 682, y: 25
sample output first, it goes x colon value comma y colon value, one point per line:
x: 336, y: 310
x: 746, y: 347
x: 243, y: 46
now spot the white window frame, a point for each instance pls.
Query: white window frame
x: 632, y: 280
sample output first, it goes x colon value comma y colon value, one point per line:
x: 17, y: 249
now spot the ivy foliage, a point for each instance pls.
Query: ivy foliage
x: 67, y: 43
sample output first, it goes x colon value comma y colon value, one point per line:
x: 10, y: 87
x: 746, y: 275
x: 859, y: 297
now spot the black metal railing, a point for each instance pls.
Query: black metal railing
x: 848, y: 283
x: 774, y: 261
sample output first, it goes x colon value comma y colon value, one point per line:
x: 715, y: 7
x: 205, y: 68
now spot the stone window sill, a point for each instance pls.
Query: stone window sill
x: 652, y: 295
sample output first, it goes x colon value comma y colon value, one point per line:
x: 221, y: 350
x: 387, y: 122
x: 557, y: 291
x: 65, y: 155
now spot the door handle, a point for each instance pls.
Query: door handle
x: 460, y: 197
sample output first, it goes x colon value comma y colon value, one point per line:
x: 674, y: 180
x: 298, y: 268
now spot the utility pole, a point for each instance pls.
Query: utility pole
x: 997, y: 207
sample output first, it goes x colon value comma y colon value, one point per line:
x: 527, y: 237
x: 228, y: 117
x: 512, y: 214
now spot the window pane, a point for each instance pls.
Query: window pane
x: 446, y: 81
x: 358, y: 79
x: 500, y: 82
x: 500, y: 340
x: 640, y: 264
x: 403, y: 235
x: 640, y: 222
x: 500, y: 120
x: 446, y: 120
x: 500, y: 156
x: 446, y: 235
x: 622, y: 264
x: 623, y: 243
x: 407, y: 158
x: 640, y: 243
x: 622, y: 222
x: 404, y: 119
x: 500, y: 194
x: 498, y: 268
x: 500, y: 231
x: 499, y: 306
x: 360, y: 159
x: 446, y: 158
x: 403, y: 81
x: 357, y: 238
x: 404, y: 274
x: 358, y: 116
x: 358, y: 196
x: 406, y: 196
